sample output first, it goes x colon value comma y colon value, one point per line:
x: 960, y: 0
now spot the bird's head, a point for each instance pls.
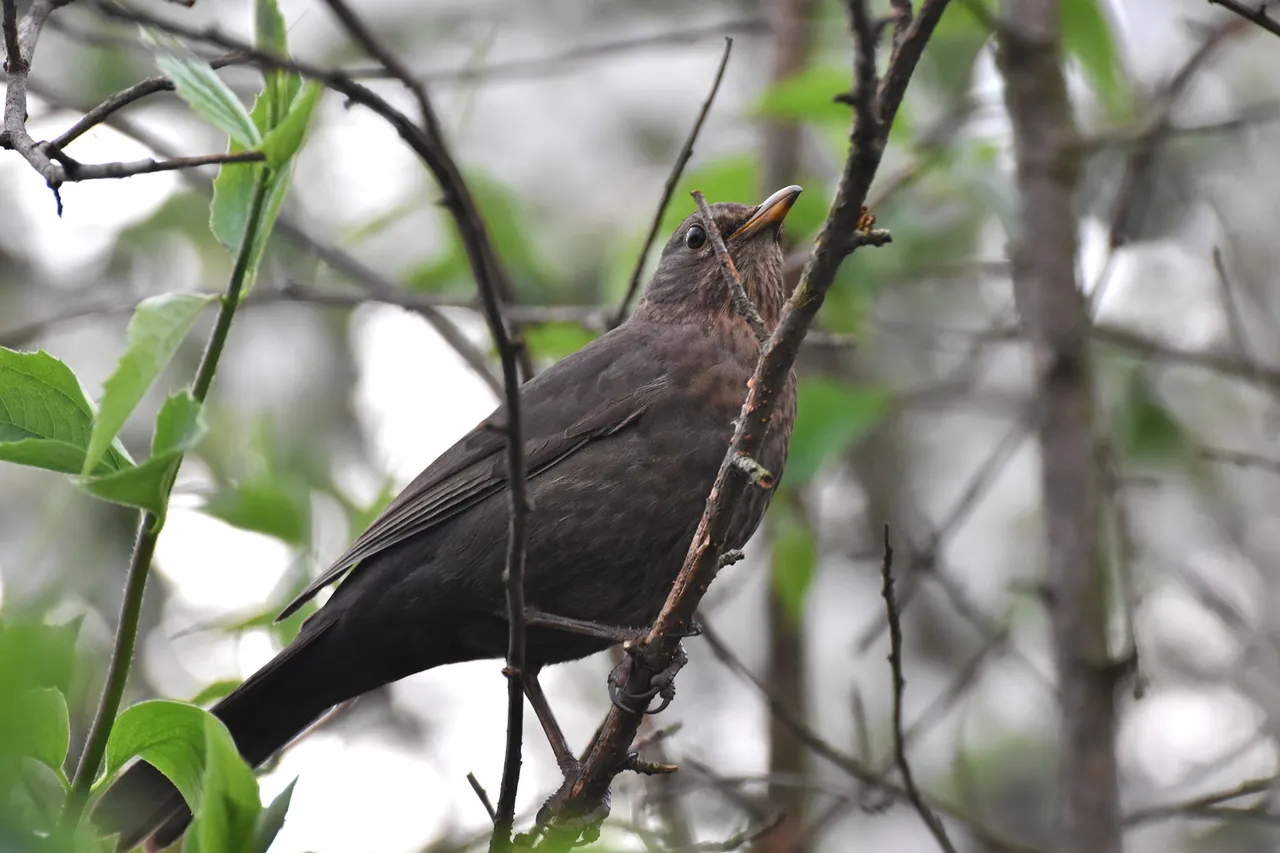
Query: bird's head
x: 689, y: 281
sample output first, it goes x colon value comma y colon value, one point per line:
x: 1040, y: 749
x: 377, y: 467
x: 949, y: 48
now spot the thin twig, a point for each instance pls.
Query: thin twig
x: 931, y: 821
x: 737, y: 293
x: 673, y: 178
x: 483, y: 795
x: 122, y: 99
x: 529, y: 69
x: 854, y: 766
x: 101, y: 171
x: 1256, y: 14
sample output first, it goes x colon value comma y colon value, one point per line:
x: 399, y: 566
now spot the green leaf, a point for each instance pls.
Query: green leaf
x: 227, y: 819
x: 271, y: 820
x: 33, y: 655
x: 45, y: 418
x: 1149, y: 430
x: 830, y: 416
x: 48, y: 725
x: 168, y: 735
x: 283, y: 141
x: 793, y: 561
x: 808, y: 96
x: 199, y: 85
x: 556, y: 340
x: 179, y: 426
x: 269, y: 505
x: 215, y: 691
x: 271, y: 35
x: 1087, y: 37
x: 158, y: 327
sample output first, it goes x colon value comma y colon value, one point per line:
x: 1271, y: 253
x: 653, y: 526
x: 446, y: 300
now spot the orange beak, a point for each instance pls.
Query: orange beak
x: 769, y: 214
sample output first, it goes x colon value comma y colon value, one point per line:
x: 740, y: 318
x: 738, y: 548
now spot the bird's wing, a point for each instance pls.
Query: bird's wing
x: 476, y: 466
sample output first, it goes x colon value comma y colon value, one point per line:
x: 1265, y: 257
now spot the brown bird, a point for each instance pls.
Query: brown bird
x: 622, y: 439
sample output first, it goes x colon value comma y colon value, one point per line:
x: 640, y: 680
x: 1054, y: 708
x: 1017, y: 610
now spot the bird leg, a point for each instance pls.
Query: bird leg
x: 661, y: 684
x: 565, y: 758
x: 538, y: 619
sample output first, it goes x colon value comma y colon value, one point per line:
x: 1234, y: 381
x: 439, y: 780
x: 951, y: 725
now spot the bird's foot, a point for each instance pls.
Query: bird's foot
x: 662, y: 684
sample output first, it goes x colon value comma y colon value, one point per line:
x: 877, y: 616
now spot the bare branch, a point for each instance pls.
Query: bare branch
x: 20, y: 46
x: 99, y: 171
x: 841, y: 234
x: 124, y: 98
x: 682, y: 159
x: 935, y: 827
x: 1256, y: 14
x: 737, y: 293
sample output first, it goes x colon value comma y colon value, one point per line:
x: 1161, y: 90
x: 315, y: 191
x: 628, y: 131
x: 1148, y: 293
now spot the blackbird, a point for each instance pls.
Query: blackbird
x: 623, y: 440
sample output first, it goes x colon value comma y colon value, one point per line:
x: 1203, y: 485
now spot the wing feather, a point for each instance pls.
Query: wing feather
x: 470, y: 471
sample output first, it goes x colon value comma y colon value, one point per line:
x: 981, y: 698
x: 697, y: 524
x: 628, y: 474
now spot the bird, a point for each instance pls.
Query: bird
x: 622, y: 439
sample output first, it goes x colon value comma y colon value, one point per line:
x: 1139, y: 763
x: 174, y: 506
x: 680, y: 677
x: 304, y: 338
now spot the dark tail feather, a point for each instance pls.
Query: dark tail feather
x: 263, y: 714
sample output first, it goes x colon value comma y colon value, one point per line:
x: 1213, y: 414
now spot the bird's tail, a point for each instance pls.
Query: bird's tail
x: 263, y: 714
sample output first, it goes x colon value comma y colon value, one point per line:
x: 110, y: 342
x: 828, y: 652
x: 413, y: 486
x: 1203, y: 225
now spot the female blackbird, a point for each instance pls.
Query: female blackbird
x: 622, y: 440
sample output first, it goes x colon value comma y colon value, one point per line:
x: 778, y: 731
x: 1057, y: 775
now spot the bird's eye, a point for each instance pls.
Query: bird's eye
x: 695, y: 237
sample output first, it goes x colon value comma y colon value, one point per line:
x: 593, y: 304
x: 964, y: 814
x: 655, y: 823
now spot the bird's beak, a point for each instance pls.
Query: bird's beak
x: 769, y: 214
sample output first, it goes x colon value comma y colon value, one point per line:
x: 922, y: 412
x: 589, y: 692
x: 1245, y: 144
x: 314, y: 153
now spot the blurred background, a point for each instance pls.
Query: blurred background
x: 567, y: 119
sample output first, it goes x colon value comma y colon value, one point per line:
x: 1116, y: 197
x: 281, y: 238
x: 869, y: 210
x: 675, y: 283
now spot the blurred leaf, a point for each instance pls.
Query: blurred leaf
x: 830, y: 416
x: 227, y: 819
x: 271, y: 35
x: 1086, y: 36
x: 733, y: 178
x: 179, y: 427
x: 809, y: 96
x: 215, y: 691
x: 271, y: 820
x: 793, y: 561
x: 556, y: 340
x: 157, y: 328
x: 270, y: 505
x: 284, y: 140
x: 200, y: 86
x: 168, y: 735
x: 1149, y: 431
x: 510, y: 227
x: 34, y: 655
x: 45, y: 419
x: 49, y: 726
x: 946, y: 68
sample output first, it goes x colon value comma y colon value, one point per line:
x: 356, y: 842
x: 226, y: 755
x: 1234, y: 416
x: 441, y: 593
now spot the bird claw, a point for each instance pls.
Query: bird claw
x: 662, y: 684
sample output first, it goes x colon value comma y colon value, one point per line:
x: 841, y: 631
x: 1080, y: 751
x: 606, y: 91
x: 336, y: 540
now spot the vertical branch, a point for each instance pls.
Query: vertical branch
x: 931, y: 821
x: 791, y: 22
x: 682, y: 159
x: 1055, y: 320
x: 428, y: 142
x: 149, y: 533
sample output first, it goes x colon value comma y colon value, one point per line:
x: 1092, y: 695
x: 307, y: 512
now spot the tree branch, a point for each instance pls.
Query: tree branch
x: 1256, y: 14
x: 733, y: 282
x: 1056, y: 322
x: 682, y: 159
x: 931, y: 822
x: 840, y: 236
x: 495, y: 288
